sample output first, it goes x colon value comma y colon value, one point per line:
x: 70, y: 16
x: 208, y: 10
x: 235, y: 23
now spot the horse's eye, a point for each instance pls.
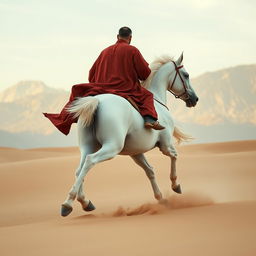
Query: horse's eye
x: 186, y: 75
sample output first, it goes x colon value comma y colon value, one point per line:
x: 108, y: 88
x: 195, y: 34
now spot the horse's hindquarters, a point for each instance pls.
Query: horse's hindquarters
x: 118, y: 124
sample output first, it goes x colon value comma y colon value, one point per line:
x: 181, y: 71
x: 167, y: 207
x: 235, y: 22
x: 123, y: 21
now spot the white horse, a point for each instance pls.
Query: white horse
x: 109, y: 125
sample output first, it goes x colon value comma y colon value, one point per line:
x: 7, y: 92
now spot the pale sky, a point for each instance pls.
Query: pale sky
x: 57, y: 41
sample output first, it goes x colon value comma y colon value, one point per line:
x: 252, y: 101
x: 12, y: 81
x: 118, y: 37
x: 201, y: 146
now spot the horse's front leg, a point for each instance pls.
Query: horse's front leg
x: 172, y: 153
x: 173, y: 176
x: 142, y: 162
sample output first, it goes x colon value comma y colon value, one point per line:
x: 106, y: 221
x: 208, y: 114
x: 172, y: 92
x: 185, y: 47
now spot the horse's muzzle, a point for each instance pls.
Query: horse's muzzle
x: 191, y: 101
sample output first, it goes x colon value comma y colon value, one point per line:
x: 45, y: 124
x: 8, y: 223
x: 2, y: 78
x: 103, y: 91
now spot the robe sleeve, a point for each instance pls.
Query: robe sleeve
x: 141, y: 66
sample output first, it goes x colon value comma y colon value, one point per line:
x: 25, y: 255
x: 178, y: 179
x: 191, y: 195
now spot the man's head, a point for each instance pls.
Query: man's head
x: 125, y: 33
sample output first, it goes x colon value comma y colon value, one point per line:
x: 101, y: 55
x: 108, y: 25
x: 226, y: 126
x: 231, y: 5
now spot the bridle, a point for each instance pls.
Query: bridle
x: 185, y: 93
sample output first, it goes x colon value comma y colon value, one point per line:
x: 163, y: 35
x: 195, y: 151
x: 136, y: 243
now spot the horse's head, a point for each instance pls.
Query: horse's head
x: 179, y: 84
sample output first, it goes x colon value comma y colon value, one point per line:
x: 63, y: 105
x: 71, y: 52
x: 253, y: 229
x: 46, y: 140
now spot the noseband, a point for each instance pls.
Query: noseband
x: 185, y: 93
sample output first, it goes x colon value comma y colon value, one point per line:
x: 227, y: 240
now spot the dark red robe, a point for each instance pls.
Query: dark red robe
x: 117, y: 70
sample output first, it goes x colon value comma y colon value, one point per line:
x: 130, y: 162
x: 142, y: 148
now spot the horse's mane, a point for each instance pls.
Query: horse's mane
x: 155, y: 66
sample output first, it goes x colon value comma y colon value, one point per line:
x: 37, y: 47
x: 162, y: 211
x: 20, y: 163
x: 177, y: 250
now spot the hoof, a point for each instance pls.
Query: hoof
x: 177, y: 189
x: 159, y: 197
x: 90, y: 207
x: 65, y: 210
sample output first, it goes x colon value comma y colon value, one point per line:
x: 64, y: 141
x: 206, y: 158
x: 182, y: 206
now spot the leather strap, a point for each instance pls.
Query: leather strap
x: 183, y: 83
x: 161, y: 103
x: 133, y: 103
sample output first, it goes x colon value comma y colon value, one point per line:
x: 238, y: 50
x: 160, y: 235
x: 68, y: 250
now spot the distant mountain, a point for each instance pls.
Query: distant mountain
x: 226, y: 110
x: 25, y: 89
x: 23, y: 104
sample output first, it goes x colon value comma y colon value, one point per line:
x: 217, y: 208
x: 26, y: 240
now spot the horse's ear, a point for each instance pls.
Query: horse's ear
x: 179, y: 60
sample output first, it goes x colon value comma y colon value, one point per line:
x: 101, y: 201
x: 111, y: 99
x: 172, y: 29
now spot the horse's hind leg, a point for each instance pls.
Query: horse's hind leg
x: 85, y: 203
x: 106, y: 152
x: 87, y: 145
x: 142, y: 162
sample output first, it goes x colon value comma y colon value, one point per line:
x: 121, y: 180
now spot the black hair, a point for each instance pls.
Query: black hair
x: 125, y: 32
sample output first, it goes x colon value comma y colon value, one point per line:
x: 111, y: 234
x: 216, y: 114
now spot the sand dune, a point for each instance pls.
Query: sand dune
x: 219, y: 148
x: 214, y: 216
x: 14, y: 155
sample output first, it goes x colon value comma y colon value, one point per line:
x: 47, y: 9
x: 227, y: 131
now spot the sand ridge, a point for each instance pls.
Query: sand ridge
x: 215, y: 214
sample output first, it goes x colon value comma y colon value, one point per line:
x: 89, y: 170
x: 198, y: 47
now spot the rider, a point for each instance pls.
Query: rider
x: 117, y: 70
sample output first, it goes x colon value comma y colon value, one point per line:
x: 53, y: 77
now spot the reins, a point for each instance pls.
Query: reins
x: 161, y: 103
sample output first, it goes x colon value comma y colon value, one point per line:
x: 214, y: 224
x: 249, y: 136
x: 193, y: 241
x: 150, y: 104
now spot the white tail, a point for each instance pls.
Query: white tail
x: 84, y: 108
x: 180, y: 136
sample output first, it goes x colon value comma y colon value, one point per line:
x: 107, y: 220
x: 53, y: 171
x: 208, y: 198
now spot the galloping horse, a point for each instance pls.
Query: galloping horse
x: 109, y: 125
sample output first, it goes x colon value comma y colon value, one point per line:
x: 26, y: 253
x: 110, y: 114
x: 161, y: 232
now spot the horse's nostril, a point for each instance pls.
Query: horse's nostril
x: 197, y: 99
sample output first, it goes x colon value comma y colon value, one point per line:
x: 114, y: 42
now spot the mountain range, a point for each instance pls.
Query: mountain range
x: 226, y: 110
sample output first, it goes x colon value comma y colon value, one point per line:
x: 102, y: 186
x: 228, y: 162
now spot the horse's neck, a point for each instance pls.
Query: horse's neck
x: 159, y: 83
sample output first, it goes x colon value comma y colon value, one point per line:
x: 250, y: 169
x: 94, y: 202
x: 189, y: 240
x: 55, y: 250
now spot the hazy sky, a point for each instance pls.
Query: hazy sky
x: 57, y: 41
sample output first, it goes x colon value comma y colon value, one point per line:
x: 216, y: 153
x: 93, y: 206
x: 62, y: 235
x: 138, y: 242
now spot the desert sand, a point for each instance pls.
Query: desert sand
x: 215, y: 215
